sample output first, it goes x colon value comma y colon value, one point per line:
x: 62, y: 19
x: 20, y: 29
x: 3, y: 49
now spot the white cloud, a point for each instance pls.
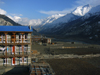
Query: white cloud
x: 35, y: 22
x: 3, y: 12
x: 15, y: 18
x: 25, y: 21
x: 77, y: 3
x: 56, y: 12
x: 91, y: 2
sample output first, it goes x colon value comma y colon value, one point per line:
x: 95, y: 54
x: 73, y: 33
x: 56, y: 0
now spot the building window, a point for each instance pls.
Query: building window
x: 4, y: 61
x: 1, y: 38
x: 20, y: 48
x: 25, y: 36
x: 20, y: 60
x: 20, y: 36
x: 14, y: 61
x: 13, y: 49
x: 23, y: 60
x: 25, y: 48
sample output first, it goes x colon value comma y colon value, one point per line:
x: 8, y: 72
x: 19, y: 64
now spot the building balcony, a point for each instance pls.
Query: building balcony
x: 9, y: 42
x: 17, y: 54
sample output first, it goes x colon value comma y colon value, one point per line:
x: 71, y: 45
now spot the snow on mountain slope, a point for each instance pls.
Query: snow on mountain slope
x: 82, y: 10
x: 79, y: 11
x: 56, y: 20
x: 41, y: 22
x: 92, y: 12
x: 95, y: 9
x: 52, y: 18
x: 64, y: 19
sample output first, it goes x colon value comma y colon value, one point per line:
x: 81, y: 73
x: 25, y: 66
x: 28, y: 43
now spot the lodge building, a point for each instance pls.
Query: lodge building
x: 15, y: 45
x: 41, y: 39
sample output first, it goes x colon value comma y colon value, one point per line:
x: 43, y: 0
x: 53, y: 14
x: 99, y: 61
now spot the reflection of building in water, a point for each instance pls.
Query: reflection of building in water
x: 15, y: 45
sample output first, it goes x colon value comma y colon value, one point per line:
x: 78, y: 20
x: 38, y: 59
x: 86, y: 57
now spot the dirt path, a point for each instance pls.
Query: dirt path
x: 46, y: 56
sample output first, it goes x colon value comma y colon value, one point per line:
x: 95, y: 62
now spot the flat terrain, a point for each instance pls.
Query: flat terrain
x: 75, y: 66
x: 57, y: 48
x: 72, y: 66
x: 68, y: 66
x: 78, y: 51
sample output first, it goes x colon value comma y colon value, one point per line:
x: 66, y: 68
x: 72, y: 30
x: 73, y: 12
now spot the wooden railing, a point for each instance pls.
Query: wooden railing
x: 17, y: 41
x: 17, y: 54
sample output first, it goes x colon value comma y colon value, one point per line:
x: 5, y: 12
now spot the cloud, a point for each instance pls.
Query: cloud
x: 91, y: 2
x: 24, y: 21
x: 3, y: 12
x: 15, y: 18
x: 35, y: 22
x: 76, y: 4
x: 56, y: 12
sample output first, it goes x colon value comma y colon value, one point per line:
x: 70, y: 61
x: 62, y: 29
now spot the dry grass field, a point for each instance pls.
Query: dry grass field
x: 70, y: 66
x: 78, y: 51
x: 53, y: 49
x: 75, y: 66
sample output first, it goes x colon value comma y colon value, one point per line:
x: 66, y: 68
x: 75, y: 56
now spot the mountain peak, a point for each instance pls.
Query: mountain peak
x: 82, y: 10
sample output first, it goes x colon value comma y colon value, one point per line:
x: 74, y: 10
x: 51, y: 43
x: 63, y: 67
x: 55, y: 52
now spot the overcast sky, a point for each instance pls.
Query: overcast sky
x: 40, y: 9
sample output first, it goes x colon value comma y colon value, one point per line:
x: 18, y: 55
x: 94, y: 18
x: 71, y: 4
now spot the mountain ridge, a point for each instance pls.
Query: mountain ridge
x: 75, y: 14
x: 4, y: 20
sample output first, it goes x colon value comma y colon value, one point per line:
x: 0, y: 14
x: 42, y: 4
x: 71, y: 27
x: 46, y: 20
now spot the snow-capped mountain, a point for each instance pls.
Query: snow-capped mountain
x: 78, y: 12
x: 82, y: 10
x: 57, y: 20
x: 87, y: 28
x: 94, y: 9
x: 51, y: 19
x: 42, y: 22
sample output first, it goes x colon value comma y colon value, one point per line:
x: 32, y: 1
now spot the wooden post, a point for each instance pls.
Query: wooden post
x: 14, y: 37
x: 6, y: 46
x: 22, y: 48
x: 30, y: 45
x: 22, y: 37
x: 14, y: 44
x: 23, y: 54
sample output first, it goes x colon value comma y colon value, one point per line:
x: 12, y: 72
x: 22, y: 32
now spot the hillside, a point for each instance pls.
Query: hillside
x: 4, y: 20
x: 86, y: 27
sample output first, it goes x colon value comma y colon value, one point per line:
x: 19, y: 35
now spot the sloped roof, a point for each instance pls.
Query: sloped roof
x: 16, y: 28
